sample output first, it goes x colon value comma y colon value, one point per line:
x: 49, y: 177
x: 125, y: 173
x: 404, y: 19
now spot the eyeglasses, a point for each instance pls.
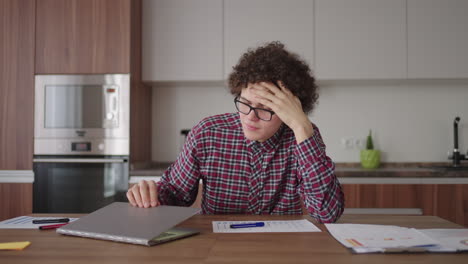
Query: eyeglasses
x: 262, y: 114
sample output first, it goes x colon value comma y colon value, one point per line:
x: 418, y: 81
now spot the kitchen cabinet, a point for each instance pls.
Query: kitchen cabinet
x: 16, y: 84
x: 73, y: 37
x: 15, y: 199
x: 140, y: 94
x: 16, y: 102
x: 448, y: 201
x: 82, y: 36
x: 388, y: 196
x: 182, y: 40
x: 360, y: 39
x: 93, y: 37
x: 249, y: 23
x: 437, y: 39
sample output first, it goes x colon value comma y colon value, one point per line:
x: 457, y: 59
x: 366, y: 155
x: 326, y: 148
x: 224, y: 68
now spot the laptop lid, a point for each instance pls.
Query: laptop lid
x: 124, y: 223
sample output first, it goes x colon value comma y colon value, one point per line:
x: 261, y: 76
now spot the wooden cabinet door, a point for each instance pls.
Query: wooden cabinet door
x: 249, y: 23
x: 388, y: 196
x: 82, y: 36
x: 16, y: 84
x: 448, y: 201
x: 437, y: 39
x: 15, y: 199
x: 360, y: 39
x: 451, y: 202
x: 182, y: 40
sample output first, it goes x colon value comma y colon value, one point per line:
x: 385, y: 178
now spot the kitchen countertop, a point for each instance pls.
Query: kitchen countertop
x: 387, y: 170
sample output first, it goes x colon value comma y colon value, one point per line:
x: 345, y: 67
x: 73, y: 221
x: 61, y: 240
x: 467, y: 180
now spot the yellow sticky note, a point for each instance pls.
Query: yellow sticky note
x: 14, y: 245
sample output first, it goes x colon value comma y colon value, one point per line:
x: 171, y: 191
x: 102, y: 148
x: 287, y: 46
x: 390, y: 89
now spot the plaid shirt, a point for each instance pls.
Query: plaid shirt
x: 241, y: 176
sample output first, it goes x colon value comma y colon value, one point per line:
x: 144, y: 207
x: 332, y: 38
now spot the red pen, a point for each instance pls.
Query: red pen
x: 51, y: 226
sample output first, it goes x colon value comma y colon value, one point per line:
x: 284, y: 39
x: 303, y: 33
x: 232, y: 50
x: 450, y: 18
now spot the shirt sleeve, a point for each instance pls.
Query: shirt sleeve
x: 320, y: 190
x: 179, y: 183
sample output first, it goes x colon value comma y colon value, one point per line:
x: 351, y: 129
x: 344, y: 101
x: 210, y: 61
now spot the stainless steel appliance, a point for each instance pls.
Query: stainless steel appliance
x: 78, y: 184
x: 92, y: 109
x: 81, y: 142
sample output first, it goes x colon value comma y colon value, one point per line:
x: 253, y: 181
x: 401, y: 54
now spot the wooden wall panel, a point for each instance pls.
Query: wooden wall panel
x: 83, y: 36
x: 16, y: 84
x: 15, y: 199
x: 140, y: 97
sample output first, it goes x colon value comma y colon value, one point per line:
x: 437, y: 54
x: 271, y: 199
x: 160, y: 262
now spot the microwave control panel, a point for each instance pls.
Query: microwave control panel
x: 111, y: 97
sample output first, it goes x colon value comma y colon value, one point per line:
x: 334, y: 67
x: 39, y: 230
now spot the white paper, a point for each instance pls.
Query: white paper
x: 270, y: 226
x: 449, y: 239
x: 376, y: 238
x: 25, y: 222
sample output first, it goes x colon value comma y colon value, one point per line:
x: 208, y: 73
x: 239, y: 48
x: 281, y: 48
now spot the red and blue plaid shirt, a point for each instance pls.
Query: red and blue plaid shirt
x: 241, y: 176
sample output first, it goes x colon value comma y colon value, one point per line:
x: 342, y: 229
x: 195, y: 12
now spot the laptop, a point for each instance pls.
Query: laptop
x: 122, y: 222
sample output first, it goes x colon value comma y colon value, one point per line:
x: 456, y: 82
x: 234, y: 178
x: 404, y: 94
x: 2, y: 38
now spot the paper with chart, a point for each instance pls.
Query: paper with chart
x: 386, y: 238
x: 25, y: 222
x: 378, y: 238
x: 448, y: 239
x: 270, y: 226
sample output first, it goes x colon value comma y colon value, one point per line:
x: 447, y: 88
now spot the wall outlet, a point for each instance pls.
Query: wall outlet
x: 358, y: 143
x: 347, y: 142
x: 352, y: 143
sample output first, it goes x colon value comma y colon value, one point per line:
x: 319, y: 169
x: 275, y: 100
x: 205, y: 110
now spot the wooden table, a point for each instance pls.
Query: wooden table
x: 208, y: 247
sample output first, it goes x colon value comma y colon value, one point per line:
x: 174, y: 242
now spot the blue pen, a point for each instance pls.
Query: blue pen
x: 426, y: 246
x: 246, y: 225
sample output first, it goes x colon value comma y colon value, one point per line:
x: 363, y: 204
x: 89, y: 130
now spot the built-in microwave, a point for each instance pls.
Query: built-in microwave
x: 82, y: 114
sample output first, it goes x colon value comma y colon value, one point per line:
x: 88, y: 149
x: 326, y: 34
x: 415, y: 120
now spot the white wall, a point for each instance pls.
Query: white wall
x: 412, y: 120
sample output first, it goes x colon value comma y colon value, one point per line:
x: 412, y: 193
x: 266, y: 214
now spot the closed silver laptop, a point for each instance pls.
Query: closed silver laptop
x: 122, y: 222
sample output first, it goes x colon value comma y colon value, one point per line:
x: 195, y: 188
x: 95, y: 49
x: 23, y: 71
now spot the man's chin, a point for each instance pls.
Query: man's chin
x: 252, y: 136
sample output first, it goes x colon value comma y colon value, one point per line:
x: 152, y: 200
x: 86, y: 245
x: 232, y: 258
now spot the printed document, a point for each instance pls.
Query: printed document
x: 270, y: 226
x: 387, y: 238
x: 448, y: 239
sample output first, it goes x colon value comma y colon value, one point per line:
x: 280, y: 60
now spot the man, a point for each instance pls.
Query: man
x: 266, y: 159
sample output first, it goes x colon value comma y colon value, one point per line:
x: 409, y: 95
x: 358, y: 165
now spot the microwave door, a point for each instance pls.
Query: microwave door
x: 73, y: 106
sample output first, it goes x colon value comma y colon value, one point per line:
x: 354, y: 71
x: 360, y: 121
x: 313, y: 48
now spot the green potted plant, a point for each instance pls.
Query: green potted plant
x: 370, y: 157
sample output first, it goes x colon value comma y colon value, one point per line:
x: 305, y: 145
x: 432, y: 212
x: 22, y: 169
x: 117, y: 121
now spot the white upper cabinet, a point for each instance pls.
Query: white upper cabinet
x: 182, y: 40
x: 360, y: 39
x: 250, y: 23
x: 437, y: 39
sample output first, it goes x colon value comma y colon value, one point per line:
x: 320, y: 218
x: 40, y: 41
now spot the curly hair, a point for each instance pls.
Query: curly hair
x: 272, y: 63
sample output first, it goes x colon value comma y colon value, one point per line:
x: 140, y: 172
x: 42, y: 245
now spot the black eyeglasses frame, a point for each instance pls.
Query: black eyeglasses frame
x: 236, y: 100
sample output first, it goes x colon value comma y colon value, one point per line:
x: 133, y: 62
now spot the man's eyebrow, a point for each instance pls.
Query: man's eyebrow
x: 249, y: 102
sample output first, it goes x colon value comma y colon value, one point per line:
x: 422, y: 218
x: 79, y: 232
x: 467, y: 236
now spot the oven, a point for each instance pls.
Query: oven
x: 77, y: 184
x: 81, y: 142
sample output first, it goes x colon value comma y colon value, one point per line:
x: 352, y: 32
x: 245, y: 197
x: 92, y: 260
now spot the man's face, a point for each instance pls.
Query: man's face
x: 254, y: 128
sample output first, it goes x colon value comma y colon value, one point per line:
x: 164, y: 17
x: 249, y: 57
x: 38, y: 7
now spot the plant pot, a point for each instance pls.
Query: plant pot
x: 370, y: 158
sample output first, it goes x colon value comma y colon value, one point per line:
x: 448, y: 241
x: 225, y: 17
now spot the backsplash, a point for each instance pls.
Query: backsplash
x: 411, y: 120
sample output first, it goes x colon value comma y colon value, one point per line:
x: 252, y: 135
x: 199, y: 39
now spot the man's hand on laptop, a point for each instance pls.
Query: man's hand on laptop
x: 144, y: 194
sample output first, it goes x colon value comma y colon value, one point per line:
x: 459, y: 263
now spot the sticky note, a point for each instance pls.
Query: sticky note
x: 14, y: 245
